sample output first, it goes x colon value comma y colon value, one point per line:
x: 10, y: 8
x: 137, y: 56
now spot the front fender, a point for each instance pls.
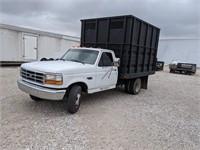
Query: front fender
x: 90, y: 83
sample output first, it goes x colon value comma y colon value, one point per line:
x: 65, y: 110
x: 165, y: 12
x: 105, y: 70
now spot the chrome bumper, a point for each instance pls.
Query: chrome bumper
x: 41, y: 92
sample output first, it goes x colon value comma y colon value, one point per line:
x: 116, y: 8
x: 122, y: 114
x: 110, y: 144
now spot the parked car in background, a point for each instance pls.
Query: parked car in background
x: 159, y: 65
x: 184, y: 68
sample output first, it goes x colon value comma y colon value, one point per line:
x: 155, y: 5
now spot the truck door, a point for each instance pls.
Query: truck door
x: 30, y: 47
x: 107, y: 74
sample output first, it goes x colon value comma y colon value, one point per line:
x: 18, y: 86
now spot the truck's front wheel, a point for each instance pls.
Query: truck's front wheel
x: 74, y: 96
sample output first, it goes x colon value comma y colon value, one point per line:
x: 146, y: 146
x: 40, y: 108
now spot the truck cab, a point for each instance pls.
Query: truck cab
x: 79, y: 70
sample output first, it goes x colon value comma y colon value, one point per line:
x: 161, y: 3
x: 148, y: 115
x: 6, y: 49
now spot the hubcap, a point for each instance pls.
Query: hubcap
x: 78, y: 99
x: 137, y: 85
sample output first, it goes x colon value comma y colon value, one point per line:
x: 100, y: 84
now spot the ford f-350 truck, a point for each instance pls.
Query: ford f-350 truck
x: 80, y: 70
x: 124, y: 54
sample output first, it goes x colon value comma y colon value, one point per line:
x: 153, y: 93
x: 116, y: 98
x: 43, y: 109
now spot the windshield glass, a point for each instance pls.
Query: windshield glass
x: 81, y: 55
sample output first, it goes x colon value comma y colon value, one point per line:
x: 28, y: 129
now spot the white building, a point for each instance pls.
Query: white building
x: 19, y: 44
x: 184, y: 50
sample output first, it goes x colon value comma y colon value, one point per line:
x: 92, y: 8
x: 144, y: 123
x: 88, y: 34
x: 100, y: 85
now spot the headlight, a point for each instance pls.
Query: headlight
x: 55, y: 79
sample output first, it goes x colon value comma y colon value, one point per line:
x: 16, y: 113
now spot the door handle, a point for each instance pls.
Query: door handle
x: 89, y: 78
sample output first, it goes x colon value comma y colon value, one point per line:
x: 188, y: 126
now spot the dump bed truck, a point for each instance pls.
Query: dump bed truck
x: 133, y: 40
x: 114, y: 50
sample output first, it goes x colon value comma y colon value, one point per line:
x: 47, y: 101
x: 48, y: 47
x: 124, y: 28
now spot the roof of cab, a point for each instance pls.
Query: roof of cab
x: 91, y: 48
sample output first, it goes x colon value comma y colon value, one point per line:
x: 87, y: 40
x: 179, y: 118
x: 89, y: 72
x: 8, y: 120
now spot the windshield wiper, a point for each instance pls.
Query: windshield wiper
x: 77, y: 61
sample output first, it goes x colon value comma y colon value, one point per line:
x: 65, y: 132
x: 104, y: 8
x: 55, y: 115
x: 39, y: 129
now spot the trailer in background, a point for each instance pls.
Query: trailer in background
x: 133, y: 40
x: 20, y: 45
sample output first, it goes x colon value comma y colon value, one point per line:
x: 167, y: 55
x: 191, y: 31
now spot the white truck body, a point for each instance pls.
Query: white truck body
x: 96, y: 78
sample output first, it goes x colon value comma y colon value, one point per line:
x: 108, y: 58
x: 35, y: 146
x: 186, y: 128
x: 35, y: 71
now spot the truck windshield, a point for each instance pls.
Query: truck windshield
x: 81, y: 55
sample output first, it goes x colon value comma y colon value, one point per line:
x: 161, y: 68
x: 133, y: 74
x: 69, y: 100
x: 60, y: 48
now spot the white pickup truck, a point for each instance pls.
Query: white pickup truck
x: 79, y: 70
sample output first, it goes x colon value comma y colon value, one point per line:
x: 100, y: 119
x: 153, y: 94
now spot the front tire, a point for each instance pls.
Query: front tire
x: 35, y: 98
x: 74, y: 96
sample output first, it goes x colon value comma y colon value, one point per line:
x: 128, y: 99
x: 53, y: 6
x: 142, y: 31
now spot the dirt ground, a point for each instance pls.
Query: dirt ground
x: 165, y: 116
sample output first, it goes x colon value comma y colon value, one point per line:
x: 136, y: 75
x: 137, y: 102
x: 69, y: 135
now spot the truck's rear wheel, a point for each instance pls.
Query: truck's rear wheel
x: 135, y: 86
x: 73, y: 102
x: 35, y: 98
x: 127, y: 86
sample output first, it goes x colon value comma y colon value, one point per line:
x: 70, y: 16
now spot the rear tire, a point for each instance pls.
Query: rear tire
x: 135, y: 86
x: 127, y: 85
x: 43, y: 59
x: 35, y: 98
x: 73, y: 102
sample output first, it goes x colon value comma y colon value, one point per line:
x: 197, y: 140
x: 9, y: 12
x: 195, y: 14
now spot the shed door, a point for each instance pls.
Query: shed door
x: 30, y: 47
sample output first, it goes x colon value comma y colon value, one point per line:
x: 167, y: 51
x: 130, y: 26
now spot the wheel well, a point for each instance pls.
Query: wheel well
x: 82, y: 84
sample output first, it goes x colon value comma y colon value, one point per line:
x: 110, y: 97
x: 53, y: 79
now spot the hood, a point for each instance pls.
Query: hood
x: 64, y: 67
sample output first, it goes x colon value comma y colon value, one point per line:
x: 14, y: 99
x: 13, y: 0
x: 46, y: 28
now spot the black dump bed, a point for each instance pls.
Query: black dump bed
x: 133, y: 40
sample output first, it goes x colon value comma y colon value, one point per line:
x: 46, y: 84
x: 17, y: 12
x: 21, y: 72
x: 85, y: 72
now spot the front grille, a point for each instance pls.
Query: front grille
x: 32, y: 76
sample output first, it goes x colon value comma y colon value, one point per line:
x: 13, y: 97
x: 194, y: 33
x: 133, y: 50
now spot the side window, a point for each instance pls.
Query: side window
x: 106, y: 59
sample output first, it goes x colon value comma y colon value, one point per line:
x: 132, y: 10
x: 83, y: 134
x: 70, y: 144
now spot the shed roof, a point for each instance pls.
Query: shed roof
x: 39, y: 32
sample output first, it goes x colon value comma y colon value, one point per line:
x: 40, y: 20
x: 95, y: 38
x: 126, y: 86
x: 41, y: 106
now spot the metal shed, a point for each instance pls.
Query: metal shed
x: 18, y: 44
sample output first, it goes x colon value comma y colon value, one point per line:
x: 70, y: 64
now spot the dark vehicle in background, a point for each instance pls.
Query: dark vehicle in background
x: 160, y: 65
x: 133, y: 40
x: 184, y: 68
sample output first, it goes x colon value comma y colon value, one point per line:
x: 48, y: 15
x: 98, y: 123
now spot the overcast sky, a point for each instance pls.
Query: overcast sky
x: 176, y: 18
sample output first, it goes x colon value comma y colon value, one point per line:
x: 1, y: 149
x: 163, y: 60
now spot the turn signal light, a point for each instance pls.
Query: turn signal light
x: 53, y: 82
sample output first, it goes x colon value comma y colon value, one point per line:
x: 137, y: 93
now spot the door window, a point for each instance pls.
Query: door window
x: 106, y: 60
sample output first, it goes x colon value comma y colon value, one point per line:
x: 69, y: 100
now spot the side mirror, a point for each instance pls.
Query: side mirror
x: 116, y: 62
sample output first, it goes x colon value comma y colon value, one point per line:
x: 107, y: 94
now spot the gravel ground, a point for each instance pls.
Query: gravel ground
x: 166, y: 116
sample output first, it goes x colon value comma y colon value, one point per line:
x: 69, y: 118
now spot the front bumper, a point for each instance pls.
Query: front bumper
x: 41, y: 92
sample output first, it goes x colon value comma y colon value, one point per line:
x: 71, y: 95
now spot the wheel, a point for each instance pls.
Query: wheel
x: 135, y: 86
x: 74, y: 96
x: 35, y: 98
x: 127, y: 84
x: 51, y: 59
x: 43, y: 59
x: 171, y: 71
